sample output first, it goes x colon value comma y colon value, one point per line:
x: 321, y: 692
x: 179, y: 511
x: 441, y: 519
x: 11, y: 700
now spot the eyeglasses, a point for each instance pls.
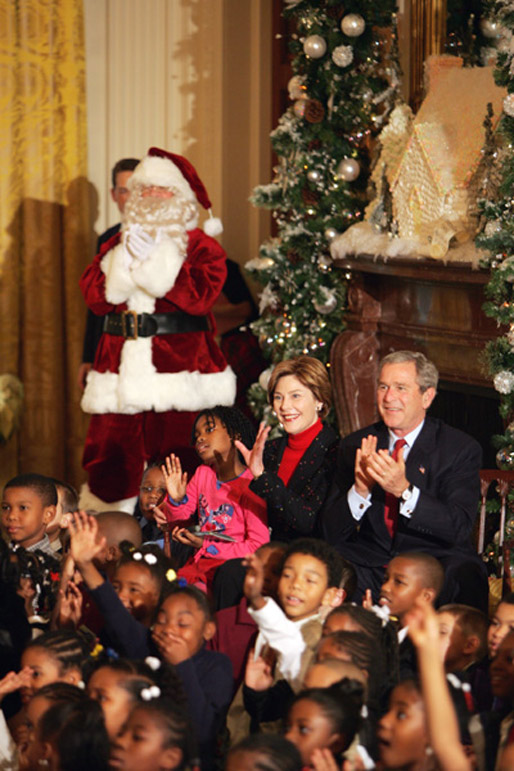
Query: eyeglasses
x: 149, y: 489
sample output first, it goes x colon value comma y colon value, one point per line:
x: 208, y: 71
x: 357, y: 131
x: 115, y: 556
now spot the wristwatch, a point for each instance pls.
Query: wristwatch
x: 407, y: 493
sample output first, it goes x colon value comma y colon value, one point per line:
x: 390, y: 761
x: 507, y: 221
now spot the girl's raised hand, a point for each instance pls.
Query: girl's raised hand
x: 254, y: 457
x: 85, y: 543
x: 423, y: 627
x: 14, y: 680
x: 176, y: 480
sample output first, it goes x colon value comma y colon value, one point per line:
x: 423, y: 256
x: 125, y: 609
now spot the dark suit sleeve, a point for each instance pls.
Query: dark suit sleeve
x: 92, y: 335
x: 337, y: 521
x: 129, y: 636
x: 444, y: 464
x: 450, y: 490
x: 269, y: 705
x: 94, y: 323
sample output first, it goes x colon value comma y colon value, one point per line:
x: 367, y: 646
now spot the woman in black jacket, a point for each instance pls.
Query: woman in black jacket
x: 293, y: 473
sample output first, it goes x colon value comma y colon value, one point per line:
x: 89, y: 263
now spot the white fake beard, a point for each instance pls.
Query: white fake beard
x: 167, y: 216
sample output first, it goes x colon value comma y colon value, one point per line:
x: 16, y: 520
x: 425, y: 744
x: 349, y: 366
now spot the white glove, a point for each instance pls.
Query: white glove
x: 139, y: 243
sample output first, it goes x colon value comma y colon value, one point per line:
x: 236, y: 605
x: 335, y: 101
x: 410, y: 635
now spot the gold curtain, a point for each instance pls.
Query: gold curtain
x: 46, y: 229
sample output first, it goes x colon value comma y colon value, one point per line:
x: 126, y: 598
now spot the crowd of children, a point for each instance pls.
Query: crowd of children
x: 113, y: 657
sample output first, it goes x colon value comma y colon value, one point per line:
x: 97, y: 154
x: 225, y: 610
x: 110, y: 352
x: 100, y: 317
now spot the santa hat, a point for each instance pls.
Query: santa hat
x: 174, y: 171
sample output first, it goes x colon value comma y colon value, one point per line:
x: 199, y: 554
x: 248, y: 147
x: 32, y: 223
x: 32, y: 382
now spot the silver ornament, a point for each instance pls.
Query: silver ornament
x: 264, y: 378
x: 353, y: 25
x: 505, y: 458
x: 324, y: 263
x: 348, y: 169
x: 342, y: 56
x: 315, y: 46
x: 328, y: 303
x: 299, y: 107
x: 314, y: 175
x: 367, y: 95
x: 330, y: 234
x: 296, y: 87
x: 508, y: 105
x: 504, y: 382
x: 490, y: 28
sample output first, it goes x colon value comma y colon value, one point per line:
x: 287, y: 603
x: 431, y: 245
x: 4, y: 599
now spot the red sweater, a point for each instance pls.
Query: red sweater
x: 296, y: 446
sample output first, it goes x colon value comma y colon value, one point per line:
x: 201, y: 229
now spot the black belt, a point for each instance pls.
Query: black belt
x: 132, y: 325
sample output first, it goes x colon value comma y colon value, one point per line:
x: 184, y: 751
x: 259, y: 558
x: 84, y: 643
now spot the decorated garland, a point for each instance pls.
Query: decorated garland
x: 498, y: 236
x: 344, y: 84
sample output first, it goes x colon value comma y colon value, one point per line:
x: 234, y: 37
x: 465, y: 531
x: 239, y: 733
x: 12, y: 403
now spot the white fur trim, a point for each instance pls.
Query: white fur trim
x: 157, y: 274
x: 154, y: 170
x: 213, y: 226
x: 119, y: 284
x: 138, y: 387
x: 88, y: 500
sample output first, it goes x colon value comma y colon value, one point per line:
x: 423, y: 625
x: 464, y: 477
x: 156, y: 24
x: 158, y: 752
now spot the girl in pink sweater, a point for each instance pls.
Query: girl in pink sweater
x: 215, y: 512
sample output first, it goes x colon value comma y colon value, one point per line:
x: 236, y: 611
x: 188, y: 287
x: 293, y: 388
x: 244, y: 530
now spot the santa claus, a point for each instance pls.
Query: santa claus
x: 157, y: 363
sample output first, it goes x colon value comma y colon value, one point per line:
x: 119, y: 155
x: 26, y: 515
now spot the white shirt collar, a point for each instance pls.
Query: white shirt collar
x: 410, y: 438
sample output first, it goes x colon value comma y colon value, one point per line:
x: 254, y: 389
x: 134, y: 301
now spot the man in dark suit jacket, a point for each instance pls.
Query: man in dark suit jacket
x: 422, y: 496
x: 120, y: 174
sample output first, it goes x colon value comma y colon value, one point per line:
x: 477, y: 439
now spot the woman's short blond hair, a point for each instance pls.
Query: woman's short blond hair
x: 311, y: 373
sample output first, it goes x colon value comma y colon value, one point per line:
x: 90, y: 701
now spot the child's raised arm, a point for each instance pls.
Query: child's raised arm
x: 281, y: 634
x: 15, y: 680
x: 176, y: 480
x: 254, y: 581
x: 85, y: 545
x: 443, y: 729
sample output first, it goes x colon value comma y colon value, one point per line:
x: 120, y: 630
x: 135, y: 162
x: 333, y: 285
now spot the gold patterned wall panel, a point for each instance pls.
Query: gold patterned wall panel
x: 45, y: 227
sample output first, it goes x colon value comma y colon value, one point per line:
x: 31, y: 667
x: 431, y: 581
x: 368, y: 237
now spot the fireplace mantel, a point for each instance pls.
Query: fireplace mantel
x: 415, y: 304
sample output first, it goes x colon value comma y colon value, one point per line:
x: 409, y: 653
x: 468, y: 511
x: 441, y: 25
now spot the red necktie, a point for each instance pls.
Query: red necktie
x: 391, y: 504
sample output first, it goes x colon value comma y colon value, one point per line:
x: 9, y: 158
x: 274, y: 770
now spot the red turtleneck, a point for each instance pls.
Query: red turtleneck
x: 296, y: 446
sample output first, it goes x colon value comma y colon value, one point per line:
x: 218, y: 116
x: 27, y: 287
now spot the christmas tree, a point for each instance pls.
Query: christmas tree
x: 344, y: 84
x: 498, y: 235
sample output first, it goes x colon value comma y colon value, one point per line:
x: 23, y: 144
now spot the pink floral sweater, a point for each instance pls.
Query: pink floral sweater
x: 230, y: 507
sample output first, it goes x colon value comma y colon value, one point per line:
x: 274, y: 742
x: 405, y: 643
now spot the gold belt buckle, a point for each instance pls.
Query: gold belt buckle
x: 124, y: 315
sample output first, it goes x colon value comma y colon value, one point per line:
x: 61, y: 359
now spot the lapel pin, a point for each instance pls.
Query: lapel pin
x: 421, y: 469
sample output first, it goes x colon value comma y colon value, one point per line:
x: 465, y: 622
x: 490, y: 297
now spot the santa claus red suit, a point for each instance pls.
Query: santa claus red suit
x: 157, y: 363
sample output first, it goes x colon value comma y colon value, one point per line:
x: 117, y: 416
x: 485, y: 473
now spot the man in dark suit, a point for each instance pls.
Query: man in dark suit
x: 408, y: 483
x: 120, y: 175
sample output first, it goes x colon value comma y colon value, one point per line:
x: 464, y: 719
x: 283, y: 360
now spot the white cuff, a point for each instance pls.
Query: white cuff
x: 358, y: 505
x: 407, y: 507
